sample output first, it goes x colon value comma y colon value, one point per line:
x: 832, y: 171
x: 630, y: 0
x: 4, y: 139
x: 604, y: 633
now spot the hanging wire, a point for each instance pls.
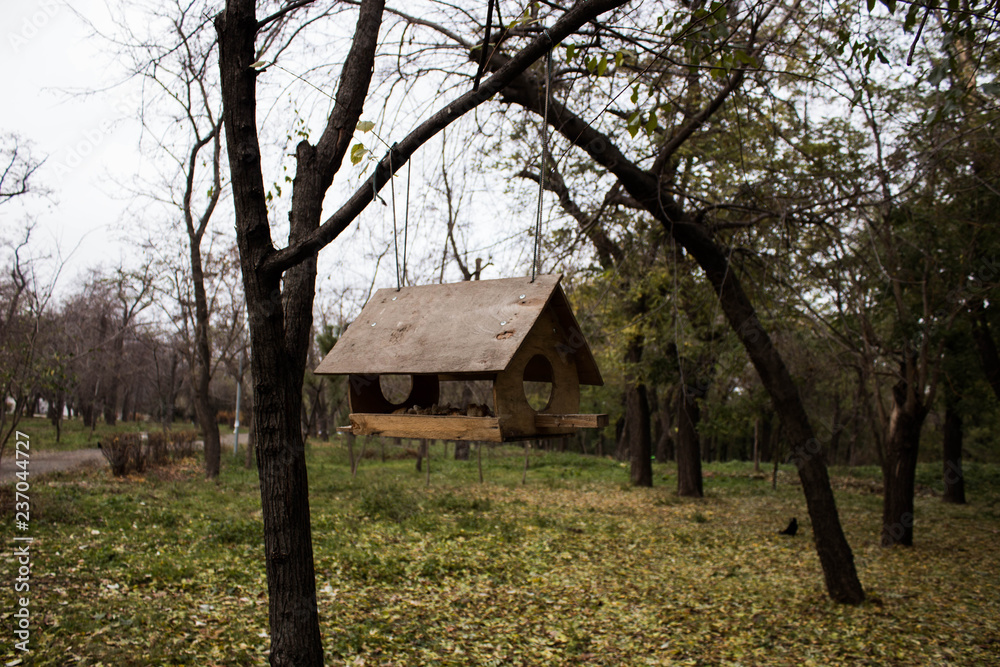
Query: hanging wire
x: 544, y: 164
x: 406, y: 216
x: 395, y: 234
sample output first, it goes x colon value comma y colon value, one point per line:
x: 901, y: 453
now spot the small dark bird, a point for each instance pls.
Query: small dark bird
x: 793, y: 527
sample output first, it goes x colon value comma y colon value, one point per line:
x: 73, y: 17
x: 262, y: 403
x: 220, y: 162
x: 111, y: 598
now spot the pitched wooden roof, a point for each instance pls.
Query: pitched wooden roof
x: 467, y: 327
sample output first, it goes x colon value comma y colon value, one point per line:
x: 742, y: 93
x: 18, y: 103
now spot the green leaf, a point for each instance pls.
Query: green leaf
x: 871, y: 5
x: 602, y: 66
x: 635, y: 94
x: 651, y: 124
x: 570, y: 52
x: 366, y: 125
x: 358, y: 151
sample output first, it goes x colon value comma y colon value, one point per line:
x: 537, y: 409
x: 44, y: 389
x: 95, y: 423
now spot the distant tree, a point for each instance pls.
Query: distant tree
x: 182, y: 117
x: 26, y: 369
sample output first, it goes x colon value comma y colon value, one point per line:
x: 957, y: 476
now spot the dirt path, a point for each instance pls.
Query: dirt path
x: 44, y: 462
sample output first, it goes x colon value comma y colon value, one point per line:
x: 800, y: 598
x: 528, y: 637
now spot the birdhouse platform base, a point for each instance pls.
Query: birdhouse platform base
x: 457, y: 427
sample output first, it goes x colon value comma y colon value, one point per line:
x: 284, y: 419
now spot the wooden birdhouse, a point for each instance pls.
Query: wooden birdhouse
x: 508, y: 332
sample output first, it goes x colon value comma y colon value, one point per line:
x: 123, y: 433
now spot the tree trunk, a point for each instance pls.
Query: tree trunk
x: 989, y: 358
x: 462, y: 448
x: 954, y: 480
x: 756, y: 444
x: 277, y: 362
x: 688, y: 449
x: 56, y: 407
x: 835, y: 431
x: 899, y: 474
x: 636, y: 434
x: 665, y: 443
x: 203, y: 408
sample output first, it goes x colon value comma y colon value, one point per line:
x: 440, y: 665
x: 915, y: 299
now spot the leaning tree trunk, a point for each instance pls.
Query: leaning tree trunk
x: 646, y: 188
x: 688, y: 447
x: 954, y: 480
x: 900, y: 470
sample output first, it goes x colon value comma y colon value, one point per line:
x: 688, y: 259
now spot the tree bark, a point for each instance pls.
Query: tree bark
x: 899, y: 474
x: 637, y: 428
x: 276, y: 366
x: 203, y: 408
x: 665, y: 443
x: 688, y: 448
x: 954, y: 479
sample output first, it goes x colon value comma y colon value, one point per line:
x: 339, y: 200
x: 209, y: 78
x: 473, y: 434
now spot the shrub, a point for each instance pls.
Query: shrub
x: 123, y: 452
x: 156, y: 448
x: 182, y: 444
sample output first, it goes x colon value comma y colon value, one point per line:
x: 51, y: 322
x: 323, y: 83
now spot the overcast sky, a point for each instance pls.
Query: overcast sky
x: 88, y: 141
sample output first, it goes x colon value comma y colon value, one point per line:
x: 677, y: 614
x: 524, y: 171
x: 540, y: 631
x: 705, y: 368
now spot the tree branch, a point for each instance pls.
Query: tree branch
x: 582, y: 13
x: 287, y: 9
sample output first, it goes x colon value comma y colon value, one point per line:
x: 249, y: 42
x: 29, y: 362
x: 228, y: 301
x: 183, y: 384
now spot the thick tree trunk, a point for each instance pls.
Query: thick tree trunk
x: 639, y: 438
x: 688, y: 447
x: 954, y: 479
x: 276, y: 369
x: 899, y: 473
x: 462, y: 449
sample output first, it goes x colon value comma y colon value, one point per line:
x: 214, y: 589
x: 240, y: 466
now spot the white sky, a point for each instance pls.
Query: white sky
x: 89, y: 142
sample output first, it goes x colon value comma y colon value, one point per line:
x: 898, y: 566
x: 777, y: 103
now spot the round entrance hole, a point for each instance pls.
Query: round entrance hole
x: 395, y: 388
x: 538, y: 383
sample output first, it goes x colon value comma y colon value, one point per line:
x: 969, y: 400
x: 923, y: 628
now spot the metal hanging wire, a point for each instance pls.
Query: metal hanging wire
x: 406, y: 216
x: 400, y: 270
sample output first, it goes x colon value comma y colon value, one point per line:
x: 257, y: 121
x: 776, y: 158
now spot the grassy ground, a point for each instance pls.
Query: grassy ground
x: 573, y: 568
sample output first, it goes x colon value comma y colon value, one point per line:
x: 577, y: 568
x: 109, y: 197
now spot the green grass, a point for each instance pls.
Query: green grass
x: 573, y: 568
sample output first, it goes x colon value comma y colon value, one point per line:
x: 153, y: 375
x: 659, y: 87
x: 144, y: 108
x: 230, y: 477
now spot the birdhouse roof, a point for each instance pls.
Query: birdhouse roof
x: 468, y: 327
